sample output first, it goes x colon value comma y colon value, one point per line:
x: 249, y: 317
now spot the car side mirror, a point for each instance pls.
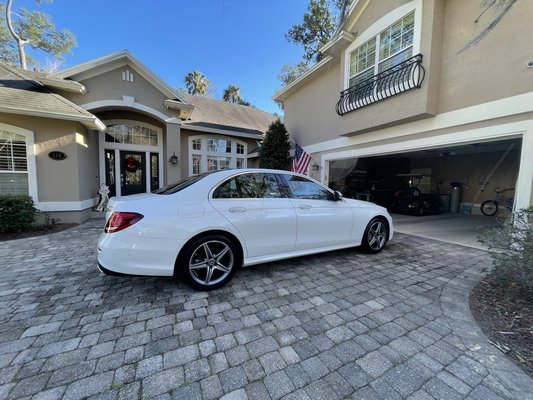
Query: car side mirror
x: 337, y: 196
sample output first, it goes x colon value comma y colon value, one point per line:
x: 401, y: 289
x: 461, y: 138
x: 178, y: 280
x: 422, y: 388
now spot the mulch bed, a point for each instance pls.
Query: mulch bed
x: 505, y: 314
x: 36, y: 231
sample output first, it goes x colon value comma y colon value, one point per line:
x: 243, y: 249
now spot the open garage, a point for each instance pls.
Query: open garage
x: 449, y: 179
x: 445, y: 181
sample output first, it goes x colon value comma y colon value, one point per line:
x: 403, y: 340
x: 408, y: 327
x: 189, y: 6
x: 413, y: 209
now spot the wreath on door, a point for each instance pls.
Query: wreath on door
x: 132, y: 164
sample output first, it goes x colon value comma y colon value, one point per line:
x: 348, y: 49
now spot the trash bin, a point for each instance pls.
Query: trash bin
x: 444, y: 203
x: 455, y: 197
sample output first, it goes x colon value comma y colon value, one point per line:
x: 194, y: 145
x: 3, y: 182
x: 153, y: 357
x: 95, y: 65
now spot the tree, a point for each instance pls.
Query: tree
x: 289, y: 72
x: 275, y: 149
x: 319, y: 24
x: 197, y: 83
x: 33, y: 28
x: 232, y: 94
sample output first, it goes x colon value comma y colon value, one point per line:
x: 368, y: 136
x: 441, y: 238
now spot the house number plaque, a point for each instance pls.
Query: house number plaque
x: 57, y: 155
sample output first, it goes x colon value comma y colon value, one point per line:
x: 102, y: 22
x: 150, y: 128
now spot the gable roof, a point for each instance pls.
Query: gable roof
x: 221, y: 115
x: 22, y: 95
x: 120, y: 58
x: 53, y: 82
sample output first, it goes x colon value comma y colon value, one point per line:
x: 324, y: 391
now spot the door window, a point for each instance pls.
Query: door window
x: 133, y: 172
x: 249, y: 186
x: 154, y: 171
x: 302, y: 188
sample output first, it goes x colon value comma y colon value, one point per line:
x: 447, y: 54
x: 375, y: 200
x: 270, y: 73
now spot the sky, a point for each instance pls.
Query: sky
x: 240, y: 42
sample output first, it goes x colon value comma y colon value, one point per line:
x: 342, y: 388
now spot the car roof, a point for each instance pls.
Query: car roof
x: 226, y: 173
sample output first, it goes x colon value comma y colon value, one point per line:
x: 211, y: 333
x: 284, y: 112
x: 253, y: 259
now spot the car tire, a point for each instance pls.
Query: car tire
x: 489, y: 208
x: 375, y: 236
x: 209, y: 262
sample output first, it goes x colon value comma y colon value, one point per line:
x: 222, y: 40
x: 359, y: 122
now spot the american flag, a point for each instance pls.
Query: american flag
x: 301, y: 160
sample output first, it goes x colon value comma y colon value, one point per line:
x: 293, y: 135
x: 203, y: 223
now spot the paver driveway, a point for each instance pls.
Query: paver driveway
x: 337, y: 325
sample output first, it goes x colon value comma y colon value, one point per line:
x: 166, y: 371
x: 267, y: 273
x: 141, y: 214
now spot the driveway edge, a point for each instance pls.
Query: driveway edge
x: 455, y: 304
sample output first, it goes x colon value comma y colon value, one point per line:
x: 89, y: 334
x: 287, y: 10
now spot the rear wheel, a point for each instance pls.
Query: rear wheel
x: 375, y: 236
x: 209, y: 262
x: 489, y: 208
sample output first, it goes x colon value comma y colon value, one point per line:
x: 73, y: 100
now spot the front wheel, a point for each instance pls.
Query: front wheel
x: 375, y: 236
x: 209, y: 262
x: 489, y: 208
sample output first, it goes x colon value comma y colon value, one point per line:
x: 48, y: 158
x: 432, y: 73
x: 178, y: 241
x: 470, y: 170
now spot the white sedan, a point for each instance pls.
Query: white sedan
x: 205, y: 227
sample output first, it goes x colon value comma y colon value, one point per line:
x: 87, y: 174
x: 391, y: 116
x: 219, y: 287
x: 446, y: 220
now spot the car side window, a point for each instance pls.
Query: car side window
x: 257, y: 185
x: 249, y: 186
x: 303, y: 188
x: 228, y: 190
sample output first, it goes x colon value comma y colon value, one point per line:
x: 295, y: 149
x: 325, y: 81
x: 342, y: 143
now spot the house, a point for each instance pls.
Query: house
x: 437, y: 92
x: 112, y: 121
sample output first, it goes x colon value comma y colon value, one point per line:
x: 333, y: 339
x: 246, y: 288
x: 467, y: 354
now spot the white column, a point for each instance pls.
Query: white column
x: 524, y: 182
x: 173, y: 146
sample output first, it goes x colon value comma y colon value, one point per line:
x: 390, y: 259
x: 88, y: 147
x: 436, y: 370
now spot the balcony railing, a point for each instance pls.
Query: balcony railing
x: 404, y: 76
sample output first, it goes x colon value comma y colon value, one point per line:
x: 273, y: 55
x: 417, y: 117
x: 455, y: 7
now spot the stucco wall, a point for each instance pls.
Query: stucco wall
x: 60, y: 181
x: 310, y: 112
x: 472, y: 170
x: 493, y: 68
x: 110, y: 86
x: 460, y: 70
x: 88, y: 172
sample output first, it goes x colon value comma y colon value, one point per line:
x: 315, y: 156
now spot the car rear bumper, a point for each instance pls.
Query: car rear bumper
x: 125, y: 255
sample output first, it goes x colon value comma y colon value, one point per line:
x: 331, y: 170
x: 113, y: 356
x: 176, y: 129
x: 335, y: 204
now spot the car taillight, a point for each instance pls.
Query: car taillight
x: 121, y: 220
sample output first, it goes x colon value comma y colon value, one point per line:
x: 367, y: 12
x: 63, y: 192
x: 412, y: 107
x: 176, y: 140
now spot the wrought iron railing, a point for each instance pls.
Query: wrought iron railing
x: 404, y: 76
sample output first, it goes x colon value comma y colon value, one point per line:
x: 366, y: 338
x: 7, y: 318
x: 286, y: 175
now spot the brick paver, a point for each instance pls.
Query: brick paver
x: 339, y: 325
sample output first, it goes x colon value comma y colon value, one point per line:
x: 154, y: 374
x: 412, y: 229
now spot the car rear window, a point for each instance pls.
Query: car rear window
x: 180, y: 185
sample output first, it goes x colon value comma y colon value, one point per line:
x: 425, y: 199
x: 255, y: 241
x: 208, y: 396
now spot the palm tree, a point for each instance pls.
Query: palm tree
x: 232, y: 94
x: 196, y: 83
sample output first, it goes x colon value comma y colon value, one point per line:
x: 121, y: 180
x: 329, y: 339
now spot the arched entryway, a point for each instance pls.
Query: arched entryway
x: 130, y: 154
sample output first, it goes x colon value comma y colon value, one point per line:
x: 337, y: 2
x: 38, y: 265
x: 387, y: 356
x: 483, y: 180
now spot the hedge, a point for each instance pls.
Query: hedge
x: 17, y: 212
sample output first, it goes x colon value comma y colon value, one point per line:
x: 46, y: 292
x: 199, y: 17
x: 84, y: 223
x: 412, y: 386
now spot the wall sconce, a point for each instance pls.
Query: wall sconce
x: 316, y: 166
x: 173, y: 159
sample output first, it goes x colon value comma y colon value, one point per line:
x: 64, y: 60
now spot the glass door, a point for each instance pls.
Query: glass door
x: 110, y: 172
x: 154, y: 171
x: 132, y: 172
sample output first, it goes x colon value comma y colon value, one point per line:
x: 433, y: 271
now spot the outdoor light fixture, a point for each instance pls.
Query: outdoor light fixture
x: 173, y: 159
x: 316, y: 166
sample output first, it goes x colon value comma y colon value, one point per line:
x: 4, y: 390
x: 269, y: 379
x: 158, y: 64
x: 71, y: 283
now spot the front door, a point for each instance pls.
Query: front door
x: 132, y: 172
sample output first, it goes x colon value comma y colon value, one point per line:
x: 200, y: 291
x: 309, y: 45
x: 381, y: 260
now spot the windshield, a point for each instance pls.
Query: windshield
x: 179, y: 185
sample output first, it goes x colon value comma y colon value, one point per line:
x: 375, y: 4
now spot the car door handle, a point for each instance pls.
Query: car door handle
x: 304, y: 206
x: 237, y: 209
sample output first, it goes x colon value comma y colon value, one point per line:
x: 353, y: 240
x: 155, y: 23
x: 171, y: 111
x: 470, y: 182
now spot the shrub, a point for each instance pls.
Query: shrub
x: 17, y: 213
x: 275, y: 149
x: 511, y: 247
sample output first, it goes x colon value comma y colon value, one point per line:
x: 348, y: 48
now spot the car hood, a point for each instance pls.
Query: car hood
x: 363, y: 204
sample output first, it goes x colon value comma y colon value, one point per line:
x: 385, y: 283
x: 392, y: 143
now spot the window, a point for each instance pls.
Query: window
x: 212, y: 154
x: 131, y: 134
x: 303, y: 188
x: 13, y: 164
x: 179, y: 186
x: 249, y: 186
x: 390, y: 47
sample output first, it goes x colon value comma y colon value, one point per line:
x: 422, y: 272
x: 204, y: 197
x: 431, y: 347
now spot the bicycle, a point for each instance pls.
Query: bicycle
x: 490, y: 207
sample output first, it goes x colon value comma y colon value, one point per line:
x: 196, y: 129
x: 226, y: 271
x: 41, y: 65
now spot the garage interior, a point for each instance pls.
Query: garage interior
x: 435, y: 192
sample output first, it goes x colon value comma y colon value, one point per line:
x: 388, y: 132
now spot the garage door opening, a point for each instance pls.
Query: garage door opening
x: 454, y: 180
